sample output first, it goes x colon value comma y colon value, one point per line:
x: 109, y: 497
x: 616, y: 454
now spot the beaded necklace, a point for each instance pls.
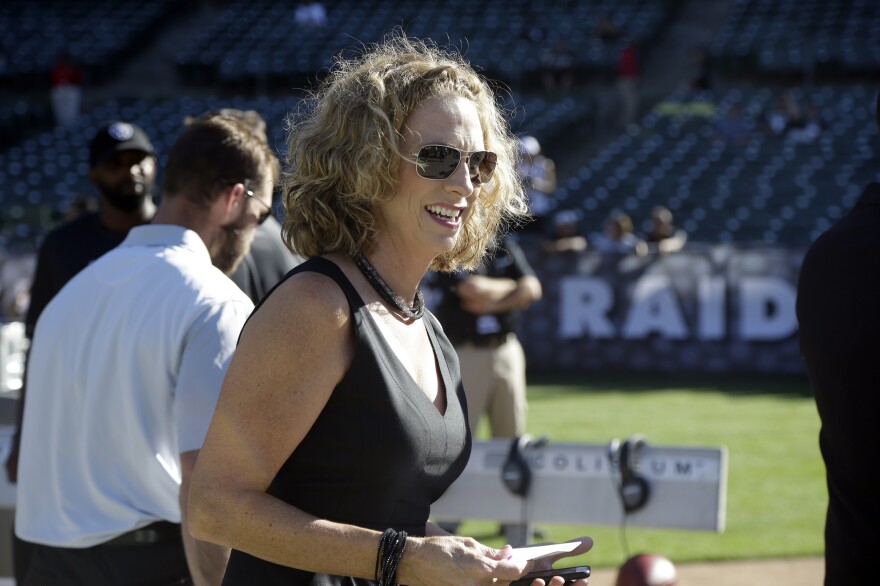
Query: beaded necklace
x: 387, y: 293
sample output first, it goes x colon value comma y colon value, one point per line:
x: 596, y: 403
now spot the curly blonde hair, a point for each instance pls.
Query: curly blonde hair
x: 343, y: 151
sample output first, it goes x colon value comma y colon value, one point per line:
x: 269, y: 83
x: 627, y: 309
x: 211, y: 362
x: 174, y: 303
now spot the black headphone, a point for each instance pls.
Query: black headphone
x: 634, y: 488
x: 515, y: 473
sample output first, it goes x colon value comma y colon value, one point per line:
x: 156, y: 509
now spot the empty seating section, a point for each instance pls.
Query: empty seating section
x: 840, y: 37
x: 257, y: 41
x: 99, y: 35
x: 43, y: 172
x: 770, y: 189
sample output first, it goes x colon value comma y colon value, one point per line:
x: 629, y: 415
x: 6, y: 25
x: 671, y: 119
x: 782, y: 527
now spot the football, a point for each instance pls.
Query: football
x: 647, y: 569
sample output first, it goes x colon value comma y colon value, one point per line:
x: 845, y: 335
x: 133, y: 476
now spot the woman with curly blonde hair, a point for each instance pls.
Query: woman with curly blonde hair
x: 342, y: 416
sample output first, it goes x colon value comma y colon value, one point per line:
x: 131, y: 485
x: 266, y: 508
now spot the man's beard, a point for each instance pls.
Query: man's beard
x: 234, y: 244
x: 127, y: 196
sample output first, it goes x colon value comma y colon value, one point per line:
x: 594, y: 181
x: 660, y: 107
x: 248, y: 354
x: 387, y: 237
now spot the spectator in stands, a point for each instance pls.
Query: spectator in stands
x: 784, y: 115
x: 310, y: 14
x: 66, y: 90
x: 124, y: 371
x: 702, y: 79
x: 557, y: 66
x: 619, y: 236
x: 839, y: 331
x: 606, y: 30
x: 268, y: 258
x: 565, y: 236
x: 810, y: 129
x: 663, y: 235
x: 342, y: 415
x: 775, y: 120
x: 538, y: 173
x: 15, y: 278
x: 732, y: 128
x: 628, y: 73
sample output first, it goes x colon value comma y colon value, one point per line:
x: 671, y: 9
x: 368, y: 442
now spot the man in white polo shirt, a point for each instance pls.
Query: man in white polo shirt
x: 124, y: 371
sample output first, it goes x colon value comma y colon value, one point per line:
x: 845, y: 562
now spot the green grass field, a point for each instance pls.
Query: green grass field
x: 776, y: 486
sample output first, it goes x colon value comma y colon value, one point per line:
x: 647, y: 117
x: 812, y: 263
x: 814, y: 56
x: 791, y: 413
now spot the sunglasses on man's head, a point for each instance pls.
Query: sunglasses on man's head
x: 437, y: 161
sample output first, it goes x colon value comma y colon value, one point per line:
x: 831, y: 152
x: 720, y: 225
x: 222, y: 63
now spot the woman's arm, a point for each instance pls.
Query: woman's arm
x: 291, y: 355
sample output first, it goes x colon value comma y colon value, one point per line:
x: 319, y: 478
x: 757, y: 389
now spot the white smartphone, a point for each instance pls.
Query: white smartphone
x: 536, y: 552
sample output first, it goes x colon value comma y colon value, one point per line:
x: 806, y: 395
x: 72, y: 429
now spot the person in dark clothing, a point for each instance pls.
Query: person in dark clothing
x: 480, y: 312
x: 342, y: 417
x: 122, y: 166
x: 839, y: 318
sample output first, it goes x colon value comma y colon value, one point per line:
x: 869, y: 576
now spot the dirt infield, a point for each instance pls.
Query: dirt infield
x: 787, y: 572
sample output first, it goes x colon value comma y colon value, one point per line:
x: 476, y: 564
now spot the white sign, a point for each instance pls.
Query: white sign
x: 577, y: 483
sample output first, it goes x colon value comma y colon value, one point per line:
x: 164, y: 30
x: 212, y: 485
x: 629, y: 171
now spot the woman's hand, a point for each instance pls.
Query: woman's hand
x: 459, y: 561
x: 546, y: 563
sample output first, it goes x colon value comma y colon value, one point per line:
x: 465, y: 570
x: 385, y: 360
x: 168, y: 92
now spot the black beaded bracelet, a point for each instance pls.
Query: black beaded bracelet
x: 391, y: 547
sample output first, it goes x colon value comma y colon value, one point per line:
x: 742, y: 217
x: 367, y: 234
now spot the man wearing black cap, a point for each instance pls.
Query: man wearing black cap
x: 122, y: 165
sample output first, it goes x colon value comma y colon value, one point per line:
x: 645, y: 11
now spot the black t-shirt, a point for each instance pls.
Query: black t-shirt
x: 65, y: 251
x: 507, y: 261
x: 839, y: 331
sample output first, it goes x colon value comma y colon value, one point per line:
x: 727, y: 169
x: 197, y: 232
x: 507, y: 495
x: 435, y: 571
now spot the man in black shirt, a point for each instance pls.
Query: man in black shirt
x: 480, y: 315
x: 122, y: 165
x: 838, y: 309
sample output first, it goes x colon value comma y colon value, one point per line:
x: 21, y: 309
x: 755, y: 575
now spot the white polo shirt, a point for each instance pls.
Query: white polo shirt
x: 123, y: 376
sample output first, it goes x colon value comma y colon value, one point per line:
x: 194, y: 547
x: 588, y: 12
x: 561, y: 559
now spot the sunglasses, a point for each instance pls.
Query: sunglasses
x: 438, y: 162
x: 249, y: 193
x: 267, y: 210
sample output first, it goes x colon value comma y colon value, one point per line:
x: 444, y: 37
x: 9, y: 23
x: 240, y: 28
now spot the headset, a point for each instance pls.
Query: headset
x: 516, y: 473
x: 634, y: 489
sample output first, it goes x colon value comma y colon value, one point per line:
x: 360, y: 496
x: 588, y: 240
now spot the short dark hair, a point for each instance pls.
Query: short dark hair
x: 214, y: 151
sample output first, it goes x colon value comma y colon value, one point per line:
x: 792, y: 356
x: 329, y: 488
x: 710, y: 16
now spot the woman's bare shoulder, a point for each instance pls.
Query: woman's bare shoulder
x: 304, y: 305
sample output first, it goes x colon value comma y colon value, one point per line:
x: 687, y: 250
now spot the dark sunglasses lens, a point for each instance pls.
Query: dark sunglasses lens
x: 437, y: 162
x: 482, y: 165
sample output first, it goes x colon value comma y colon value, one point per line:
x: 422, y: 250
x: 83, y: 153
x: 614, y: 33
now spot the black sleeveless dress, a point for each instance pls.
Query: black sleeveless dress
x: 379, y: 453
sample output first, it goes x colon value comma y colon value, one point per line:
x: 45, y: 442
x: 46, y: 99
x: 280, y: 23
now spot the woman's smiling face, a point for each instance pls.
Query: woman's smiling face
x: 427, y: 213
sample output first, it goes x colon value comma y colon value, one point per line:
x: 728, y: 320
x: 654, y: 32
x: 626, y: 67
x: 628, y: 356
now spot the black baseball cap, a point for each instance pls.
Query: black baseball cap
x: 118, y: 136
